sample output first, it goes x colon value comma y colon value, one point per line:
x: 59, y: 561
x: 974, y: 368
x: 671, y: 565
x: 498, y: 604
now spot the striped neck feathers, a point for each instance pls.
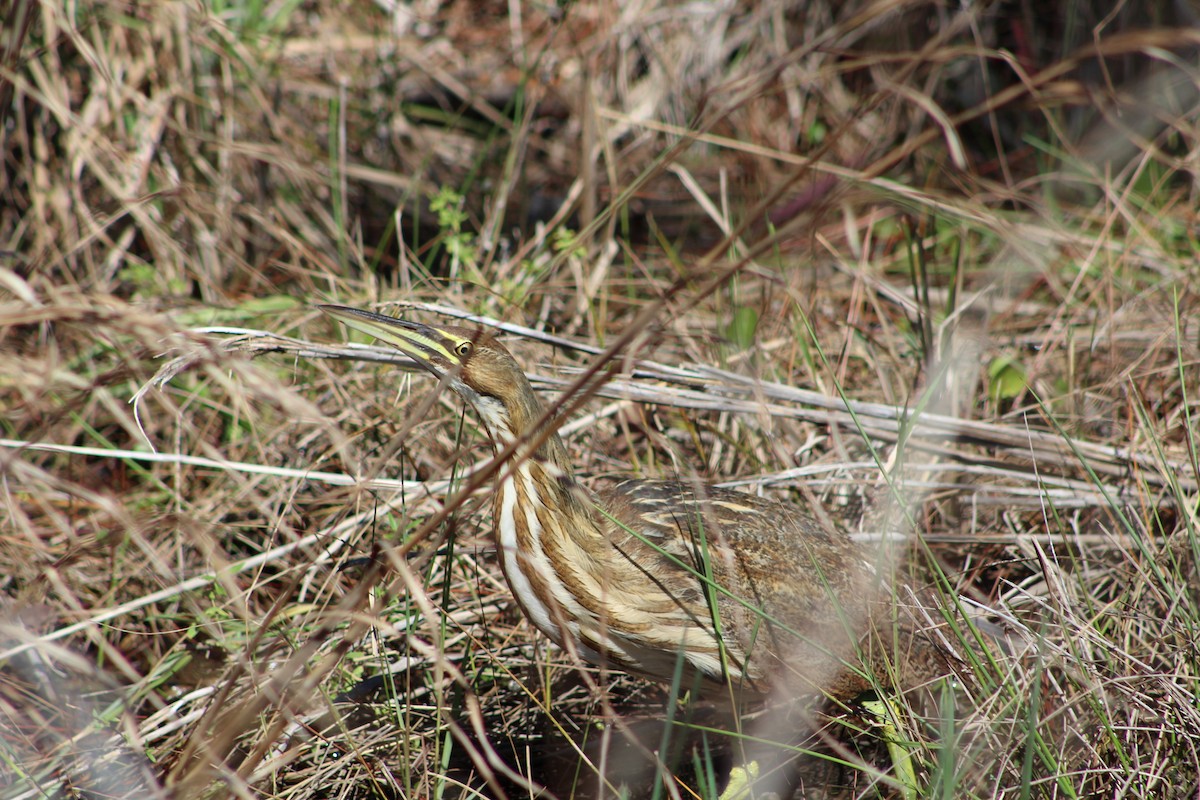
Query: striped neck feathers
x: 514, y: 418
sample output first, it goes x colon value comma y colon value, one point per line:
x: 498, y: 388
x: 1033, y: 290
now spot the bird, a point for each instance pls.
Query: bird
x: 672, y: 580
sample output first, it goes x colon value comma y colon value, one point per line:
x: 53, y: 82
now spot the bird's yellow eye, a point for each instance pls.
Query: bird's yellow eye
x: 463, y: 349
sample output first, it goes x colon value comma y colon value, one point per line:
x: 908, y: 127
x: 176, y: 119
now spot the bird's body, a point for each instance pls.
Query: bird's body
x: 653, y: 570
x: 664, y: 579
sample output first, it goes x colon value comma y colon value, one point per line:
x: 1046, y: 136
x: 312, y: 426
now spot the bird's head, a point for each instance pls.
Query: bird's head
x: 470, y: 360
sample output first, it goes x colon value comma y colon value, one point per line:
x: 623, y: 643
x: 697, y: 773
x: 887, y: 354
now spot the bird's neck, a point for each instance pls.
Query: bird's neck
x: 549, y: 539
x: 523, y: 422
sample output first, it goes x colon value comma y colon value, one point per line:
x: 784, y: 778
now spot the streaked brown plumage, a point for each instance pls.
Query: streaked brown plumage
x: 655, y: 577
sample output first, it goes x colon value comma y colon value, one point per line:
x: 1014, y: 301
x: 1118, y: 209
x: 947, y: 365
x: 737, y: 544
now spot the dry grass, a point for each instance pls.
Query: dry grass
x: 931, y: 271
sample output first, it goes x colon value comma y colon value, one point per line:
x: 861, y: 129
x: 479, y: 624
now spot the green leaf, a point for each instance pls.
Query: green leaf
x: 1007, y: 378
x: 743, y: 327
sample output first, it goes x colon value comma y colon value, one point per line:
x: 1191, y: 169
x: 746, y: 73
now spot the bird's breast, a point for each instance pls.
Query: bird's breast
x: 521, y: 559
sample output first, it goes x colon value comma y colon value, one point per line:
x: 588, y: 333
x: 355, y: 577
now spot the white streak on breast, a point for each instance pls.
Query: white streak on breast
x: 514, y: 563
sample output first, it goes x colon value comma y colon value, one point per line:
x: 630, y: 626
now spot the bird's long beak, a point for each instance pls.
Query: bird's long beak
x: 428, y: 346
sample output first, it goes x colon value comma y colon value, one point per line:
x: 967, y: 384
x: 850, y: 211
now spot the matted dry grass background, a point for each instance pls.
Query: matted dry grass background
x: 929, y: 269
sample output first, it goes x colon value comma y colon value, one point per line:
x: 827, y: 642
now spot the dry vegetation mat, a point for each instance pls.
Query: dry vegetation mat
x: 928, y: 270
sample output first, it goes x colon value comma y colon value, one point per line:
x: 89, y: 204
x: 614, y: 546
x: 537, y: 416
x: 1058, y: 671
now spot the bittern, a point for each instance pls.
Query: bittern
x: 665, y: 579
